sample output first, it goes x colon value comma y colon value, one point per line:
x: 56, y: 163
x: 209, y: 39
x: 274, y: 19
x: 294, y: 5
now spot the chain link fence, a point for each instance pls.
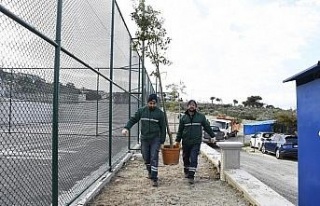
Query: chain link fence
x: 63, y: 102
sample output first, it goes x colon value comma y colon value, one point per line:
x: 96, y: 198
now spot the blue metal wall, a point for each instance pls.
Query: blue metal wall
x: 308, y: 101
x: 262, y: 126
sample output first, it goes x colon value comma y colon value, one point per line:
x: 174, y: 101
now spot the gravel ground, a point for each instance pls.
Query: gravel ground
x: 131, y: 187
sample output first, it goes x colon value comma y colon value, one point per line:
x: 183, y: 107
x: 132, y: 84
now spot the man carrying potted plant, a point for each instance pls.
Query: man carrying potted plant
x: 153, y: 134
x: 190, y: 132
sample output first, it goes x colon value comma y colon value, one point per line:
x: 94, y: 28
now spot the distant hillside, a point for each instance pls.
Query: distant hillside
x: 240, y: 112
x: 286, y: 119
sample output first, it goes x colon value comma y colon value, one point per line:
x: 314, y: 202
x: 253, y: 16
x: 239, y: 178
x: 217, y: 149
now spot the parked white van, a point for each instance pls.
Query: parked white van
x: 224, y: 126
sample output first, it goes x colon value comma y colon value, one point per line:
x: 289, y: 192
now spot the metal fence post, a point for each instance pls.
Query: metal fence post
x: 129, y: 99
x: 97, y: 111
x: 55, y: 107
x: 111, y: 85
x: 10, y: 101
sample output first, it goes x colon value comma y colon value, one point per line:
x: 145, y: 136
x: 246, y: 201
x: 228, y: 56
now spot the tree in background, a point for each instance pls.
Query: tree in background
x: 270, y: 107
x: 286, y: 122
x: 175, y: 90
x: 173, y: 96
x: 253, y: 101
x: 235, y: 102
x: 212, y: 99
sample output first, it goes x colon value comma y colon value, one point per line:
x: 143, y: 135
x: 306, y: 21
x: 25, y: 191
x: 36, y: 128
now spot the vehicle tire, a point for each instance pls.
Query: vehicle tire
x: 211, y: 144
x: 251, y: 145
x: 259, y: 147
x: 263, y: 150
x: 278, y: 155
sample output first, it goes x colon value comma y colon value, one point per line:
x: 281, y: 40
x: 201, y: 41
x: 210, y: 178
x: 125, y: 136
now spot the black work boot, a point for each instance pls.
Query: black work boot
x: 155, y: 183
x: 149, y: 171
x: 186, y: 172
x: 191, y: 180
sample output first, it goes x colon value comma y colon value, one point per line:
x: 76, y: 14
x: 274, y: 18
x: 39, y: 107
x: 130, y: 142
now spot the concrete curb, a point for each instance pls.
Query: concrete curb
x: 212, y: 155
x: 256, y: 192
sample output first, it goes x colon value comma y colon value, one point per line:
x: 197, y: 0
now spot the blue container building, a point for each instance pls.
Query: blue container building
x: 259, y: 126
x: 308, y: 119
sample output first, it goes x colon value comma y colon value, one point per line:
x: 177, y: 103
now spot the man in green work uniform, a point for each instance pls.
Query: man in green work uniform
x: 190, y: 132
x: 153, y: 134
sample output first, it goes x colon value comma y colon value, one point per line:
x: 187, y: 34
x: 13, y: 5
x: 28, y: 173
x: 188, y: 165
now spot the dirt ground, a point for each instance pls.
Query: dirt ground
x: 131, y: 187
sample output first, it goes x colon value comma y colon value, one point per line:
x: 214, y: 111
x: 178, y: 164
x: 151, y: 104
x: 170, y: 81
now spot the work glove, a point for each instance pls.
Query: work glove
x: 125, y: 132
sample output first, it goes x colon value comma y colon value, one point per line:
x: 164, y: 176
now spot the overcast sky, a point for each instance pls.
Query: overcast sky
x: 233, y: 49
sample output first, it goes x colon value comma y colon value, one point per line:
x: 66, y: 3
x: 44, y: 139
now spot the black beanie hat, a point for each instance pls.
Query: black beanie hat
x: 152, y: 97
x: 192, y: 101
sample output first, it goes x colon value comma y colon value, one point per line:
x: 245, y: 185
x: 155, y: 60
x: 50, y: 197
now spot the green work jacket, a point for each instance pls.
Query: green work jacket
x: 152, y: 123
x: 190, y: 128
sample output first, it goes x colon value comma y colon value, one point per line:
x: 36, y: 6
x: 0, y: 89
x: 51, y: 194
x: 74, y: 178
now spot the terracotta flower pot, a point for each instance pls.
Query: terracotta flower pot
x: 170, y: 155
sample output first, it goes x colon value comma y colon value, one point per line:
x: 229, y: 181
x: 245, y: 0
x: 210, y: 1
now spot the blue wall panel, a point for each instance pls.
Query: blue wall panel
x: 308, y: 116
x: 259, y: 126
x: 251, y: 129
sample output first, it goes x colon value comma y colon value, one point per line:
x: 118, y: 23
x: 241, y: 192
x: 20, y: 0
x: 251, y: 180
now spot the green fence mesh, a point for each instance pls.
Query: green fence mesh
x: 94, y: 97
